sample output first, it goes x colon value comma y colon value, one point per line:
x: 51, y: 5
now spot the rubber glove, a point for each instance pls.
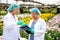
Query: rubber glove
x: 20, y: 22
x: 32, y: 30
x: 23, y: 25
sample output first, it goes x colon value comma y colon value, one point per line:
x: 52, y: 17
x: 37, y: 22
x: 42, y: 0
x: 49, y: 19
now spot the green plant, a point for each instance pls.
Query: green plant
x: 52, y: 35
x: 1, y: 30
x: 26, y: 11
x: 1, y: 27
x: 1, y: 21
x: 54, y: 10
x: 48, y: 10
x: 1, y: 24
x: 59, y: 25
x: 3, y: 13
x: 23, y: 34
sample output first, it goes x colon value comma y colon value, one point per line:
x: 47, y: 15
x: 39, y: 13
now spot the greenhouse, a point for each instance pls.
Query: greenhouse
x: 26, y: 10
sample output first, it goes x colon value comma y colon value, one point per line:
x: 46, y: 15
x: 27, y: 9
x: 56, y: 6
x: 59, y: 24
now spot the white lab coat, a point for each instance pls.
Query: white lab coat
x: 11, y: 29
x: 39, y: 29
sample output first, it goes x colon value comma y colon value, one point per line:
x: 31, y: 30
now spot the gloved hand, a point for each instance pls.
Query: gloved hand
x: 23, y: 24
x: 20, y: 22
x: 27, y: 29
x: 32, y: 30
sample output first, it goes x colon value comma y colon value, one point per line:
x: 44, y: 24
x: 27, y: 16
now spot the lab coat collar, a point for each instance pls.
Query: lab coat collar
x: 15, y: 19
x: 37, y: 20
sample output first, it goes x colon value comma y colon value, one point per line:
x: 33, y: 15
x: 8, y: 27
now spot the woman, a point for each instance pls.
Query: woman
x: 37, y: 24
x: 11, y: 30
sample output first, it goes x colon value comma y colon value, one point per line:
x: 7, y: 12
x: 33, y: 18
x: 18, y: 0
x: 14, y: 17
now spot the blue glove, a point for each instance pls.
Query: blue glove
x: 23, y: 25
x: 32, y: 31
x: 20, y: 22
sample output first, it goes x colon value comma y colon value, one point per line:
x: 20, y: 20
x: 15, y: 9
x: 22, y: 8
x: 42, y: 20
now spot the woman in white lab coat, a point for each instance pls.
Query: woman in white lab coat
x: 38, y: 24
x: 11, y: 30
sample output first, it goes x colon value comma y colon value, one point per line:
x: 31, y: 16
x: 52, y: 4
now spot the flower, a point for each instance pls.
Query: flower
x: 45, y: 16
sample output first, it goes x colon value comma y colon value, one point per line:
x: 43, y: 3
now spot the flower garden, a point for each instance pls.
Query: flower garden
x: 46, y: 15
x: 50, y: 34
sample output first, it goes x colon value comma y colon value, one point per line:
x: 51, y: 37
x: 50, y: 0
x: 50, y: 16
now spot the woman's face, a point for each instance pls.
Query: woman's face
x: 34, y: 15
x: 15, y: 11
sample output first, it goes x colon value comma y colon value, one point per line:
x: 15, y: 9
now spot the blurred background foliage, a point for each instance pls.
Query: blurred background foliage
x: 47, y: 13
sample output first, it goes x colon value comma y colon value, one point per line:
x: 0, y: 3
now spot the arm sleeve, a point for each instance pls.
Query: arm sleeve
x: 8, y: 24
x: 42, y: 30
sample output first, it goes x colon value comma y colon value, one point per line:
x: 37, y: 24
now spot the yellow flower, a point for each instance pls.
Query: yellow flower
x: 45, y: 16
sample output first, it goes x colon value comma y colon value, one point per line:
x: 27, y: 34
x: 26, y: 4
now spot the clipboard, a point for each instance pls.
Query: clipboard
x: 26, y: 28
